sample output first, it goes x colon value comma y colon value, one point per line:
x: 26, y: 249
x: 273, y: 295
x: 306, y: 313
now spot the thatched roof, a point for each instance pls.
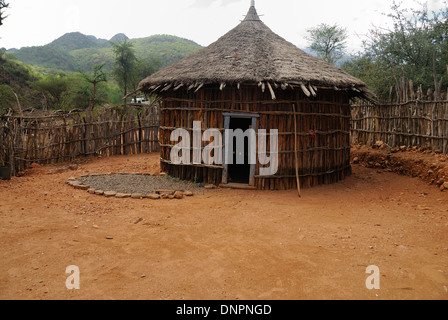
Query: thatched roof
x: 252, y: 53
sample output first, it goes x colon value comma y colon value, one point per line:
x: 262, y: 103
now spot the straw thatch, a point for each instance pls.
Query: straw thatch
x: 252, y: 53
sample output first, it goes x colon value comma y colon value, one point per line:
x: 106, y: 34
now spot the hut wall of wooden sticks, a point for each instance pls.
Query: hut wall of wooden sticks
x: 322, y: 131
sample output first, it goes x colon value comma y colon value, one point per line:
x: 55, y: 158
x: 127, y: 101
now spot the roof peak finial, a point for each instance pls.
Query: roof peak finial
x: 252, y: 14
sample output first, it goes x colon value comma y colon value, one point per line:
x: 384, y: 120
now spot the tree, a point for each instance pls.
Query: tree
x: 415, y: 48
x: 125, y: 63
x: 3, y: 5
x: 8, y: 100
x: 52, y: 88
x: 144, y: 68
x: 97, y: 77
x: 329, y: 42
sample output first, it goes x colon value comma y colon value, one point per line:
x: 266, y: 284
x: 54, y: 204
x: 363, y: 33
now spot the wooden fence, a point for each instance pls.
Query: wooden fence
x: 410, y: 123
x: 134, y: 130
x: 66, y: 136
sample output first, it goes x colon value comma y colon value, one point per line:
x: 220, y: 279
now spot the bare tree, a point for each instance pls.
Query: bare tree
x: 3, y: 5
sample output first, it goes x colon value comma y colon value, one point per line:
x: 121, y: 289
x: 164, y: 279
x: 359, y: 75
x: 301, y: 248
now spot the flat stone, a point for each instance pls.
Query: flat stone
x: 165, y: 191
x: 81, y: 187
x: 91, y: 191
x: 138, y: 196
x: 122, y: 195
x: 188, y: 193
x: 110, y: 193
x: 167, y: 196
x: 178, y: 195
x: 99, y: 192
x: 153, y: 196
x: 210, y: 186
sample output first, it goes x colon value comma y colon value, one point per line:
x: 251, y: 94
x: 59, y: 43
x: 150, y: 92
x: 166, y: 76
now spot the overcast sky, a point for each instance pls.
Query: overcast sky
x: 32, y: 22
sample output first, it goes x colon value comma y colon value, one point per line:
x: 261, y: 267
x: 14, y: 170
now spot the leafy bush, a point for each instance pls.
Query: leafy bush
x: 7, y: 100
x: 416, y: 47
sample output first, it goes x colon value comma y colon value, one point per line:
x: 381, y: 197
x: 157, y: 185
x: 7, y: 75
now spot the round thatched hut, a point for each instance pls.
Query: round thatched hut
x: 252, y: 78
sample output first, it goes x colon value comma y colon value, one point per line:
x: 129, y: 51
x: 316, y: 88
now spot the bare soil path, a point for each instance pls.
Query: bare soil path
x: 223, y: 244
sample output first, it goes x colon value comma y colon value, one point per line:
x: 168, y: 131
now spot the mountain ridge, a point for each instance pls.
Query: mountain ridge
x: 76, y: 51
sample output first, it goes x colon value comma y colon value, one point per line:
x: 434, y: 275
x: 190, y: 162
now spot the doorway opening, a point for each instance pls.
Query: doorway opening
x: 240, y: 173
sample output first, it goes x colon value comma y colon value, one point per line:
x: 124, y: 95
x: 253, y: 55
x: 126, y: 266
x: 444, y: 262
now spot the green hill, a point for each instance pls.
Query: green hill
x: 78, y: 52
x: 17, y: 78
x: 168, y: 49
x: 77, y: 40
x: 46, y: 57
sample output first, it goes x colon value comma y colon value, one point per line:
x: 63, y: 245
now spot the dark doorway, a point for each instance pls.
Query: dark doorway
x: 240, y: 173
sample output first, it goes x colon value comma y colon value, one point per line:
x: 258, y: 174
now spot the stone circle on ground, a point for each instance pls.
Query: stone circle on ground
x: 135, y: 186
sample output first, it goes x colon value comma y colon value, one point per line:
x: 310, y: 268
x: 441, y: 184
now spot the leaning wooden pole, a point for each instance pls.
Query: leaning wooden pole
x: 18, y: 104
x: 295, y: 152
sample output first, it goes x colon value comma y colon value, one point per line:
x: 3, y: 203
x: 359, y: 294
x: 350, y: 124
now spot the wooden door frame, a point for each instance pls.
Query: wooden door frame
x: 227, y: 118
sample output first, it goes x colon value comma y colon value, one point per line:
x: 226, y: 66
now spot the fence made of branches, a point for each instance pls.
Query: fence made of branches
x: 63, y: 137
x: 411, y: 123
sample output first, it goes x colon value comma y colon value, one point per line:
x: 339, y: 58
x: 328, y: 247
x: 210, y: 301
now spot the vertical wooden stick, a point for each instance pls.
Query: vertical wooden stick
x: 18, y: 104
x: 295, y: 150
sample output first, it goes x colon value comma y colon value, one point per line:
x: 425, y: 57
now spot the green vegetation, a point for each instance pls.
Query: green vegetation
x: 82, y: 96
x: 60, y: 91
x: 53, y: 60
x: 165, y: 48
x: 95, y: 80
x: 65, y: 74
x: 77, y: 41
x: 52, y: 88
x: 125, y: 64
x: 74, y: 51
x: 328, y: 42
x: 416, y: 47
x: 128, y: 69
x: 18, y: 78
x: 8, y: 100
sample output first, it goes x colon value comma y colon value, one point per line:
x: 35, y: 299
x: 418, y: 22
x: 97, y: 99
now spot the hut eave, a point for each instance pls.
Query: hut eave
x: 308, y: 87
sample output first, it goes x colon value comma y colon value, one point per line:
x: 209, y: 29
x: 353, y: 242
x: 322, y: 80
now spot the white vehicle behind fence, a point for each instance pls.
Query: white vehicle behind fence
x: 140, y: 100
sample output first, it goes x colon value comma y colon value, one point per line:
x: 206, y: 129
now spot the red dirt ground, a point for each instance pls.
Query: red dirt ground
x: 225, y: 244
